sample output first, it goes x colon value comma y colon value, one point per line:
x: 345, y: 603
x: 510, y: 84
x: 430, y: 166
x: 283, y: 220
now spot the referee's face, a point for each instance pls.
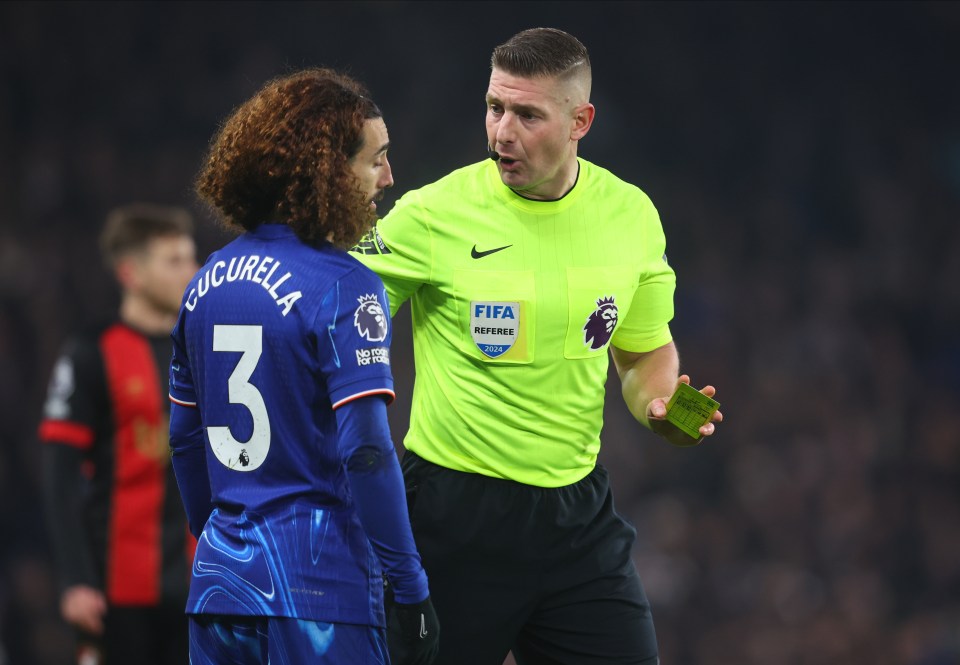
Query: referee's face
x: 534, y: 125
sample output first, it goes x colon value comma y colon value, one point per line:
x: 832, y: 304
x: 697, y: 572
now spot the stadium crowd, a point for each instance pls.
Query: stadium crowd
x: 805, y: 159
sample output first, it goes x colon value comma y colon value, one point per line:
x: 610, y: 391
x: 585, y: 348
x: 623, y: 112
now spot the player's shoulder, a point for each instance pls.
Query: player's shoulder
x: 276, y: 249
x: 84, y: 345
x: 349, y: 279
x: 342, y: 265
x: 90, y: 335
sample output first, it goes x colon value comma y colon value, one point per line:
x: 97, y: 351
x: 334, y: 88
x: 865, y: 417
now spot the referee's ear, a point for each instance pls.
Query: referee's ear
x: 582, y: 121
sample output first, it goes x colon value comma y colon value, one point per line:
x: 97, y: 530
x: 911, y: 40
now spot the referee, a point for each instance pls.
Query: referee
x: 524, y: 273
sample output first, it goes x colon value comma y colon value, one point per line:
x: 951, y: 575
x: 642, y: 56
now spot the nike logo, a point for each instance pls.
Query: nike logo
x: 479, y: 255
x: 423, y: 626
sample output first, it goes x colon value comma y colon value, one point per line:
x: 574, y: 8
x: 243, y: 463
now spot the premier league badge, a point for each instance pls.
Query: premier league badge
x: 600, y: 324
x: 494, y: 326
x: 370, y: 319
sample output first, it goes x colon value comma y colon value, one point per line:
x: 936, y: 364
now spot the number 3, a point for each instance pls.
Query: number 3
x: 242, y: 456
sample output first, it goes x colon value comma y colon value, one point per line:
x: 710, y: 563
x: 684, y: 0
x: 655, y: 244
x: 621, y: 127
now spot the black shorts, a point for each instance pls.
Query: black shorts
x: 544, y: 572
x: 144, y: 635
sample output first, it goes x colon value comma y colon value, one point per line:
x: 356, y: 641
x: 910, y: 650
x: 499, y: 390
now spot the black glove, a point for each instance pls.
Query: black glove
x: 413, y: 632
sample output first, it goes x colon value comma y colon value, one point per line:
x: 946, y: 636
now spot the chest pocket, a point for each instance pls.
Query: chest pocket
x: 598, y: 299
x: 496, y: 314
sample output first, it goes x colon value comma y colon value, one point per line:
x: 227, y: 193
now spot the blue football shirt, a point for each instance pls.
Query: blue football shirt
x: 272, y: 336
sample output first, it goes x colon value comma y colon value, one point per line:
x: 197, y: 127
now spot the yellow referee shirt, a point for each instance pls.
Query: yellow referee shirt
x: 514, y: 305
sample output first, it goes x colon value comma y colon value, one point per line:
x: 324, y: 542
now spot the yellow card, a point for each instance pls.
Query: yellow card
x: 689, y: 409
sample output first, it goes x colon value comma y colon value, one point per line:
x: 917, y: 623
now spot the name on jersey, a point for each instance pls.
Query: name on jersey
x: 251, y: 268
x: 494, y: 325
x: 374, y: 356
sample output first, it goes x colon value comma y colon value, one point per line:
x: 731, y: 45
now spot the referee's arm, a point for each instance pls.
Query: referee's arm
x: 647, y: 380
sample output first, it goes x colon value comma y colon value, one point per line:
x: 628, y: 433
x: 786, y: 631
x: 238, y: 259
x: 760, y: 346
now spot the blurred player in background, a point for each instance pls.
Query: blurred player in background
x: 280, y: 381
x: 117, y: 525
x: 524, y: 274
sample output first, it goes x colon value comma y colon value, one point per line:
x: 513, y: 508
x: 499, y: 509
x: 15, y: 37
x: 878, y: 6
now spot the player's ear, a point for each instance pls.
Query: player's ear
x: 582, y: 121
x: 125, y: 270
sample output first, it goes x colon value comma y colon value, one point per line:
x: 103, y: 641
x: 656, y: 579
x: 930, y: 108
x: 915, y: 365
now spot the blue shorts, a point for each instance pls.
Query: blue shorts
x: 255, y: 640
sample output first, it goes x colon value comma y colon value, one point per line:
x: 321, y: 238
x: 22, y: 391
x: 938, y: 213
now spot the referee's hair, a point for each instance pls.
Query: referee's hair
x: 542, y: 52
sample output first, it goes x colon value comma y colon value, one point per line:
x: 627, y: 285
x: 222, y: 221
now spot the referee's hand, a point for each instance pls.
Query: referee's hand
x: 413, y: 633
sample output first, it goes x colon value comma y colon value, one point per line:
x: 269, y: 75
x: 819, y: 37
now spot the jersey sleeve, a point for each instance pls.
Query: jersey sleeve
x: 76, y: 396
x: 377, y: 487
x: 353, y: 338
x: 187, y: 442
x: 647, y: 323
x: 182, y: 389
x: 72, y: 420
x: 399, y: 250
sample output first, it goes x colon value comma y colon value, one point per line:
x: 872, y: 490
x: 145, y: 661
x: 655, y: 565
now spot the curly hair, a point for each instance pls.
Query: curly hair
x: 283, y: 156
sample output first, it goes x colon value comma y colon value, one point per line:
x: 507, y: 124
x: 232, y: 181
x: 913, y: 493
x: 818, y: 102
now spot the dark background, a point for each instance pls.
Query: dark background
x: 805, y: 158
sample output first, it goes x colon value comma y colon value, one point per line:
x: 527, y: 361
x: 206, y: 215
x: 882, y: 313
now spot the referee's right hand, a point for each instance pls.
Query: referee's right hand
x: 413, y: 632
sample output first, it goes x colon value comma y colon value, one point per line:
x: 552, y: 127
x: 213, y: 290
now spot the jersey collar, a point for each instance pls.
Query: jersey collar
x: 539, y: 207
